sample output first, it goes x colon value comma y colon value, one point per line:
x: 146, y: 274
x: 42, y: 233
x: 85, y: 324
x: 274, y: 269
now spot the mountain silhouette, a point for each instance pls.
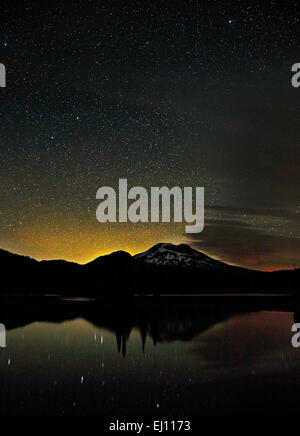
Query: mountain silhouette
x: 164, y: 269
x: 183, y: 256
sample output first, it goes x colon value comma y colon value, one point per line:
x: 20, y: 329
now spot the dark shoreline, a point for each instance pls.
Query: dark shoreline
x: 220, y: 300
x: 120, y: 314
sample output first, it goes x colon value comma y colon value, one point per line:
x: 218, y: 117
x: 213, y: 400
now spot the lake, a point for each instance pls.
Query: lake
x: 166, y: 360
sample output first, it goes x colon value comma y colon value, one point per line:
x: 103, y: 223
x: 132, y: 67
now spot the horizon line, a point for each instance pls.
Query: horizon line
x: 132, y: 255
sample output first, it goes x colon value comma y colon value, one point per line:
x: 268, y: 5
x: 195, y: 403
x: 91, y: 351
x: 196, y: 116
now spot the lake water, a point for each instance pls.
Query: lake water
x: 174, y: 363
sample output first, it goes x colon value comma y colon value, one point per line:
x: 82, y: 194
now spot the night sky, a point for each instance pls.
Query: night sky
x: 181, y: 93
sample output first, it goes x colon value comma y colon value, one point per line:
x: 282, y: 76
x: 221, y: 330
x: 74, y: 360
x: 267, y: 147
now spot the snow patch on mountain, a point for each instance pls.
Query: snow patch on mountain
x: 178, y: 255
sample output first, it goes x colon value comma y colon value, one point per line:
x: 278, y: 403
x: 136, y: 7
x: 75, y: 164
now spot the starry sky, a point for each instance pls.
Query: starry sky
x: 181, y: 93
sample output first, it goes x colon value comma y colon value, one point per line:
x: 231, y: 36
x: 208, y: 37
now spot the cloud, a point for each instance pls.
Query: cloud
x: 259, y: 240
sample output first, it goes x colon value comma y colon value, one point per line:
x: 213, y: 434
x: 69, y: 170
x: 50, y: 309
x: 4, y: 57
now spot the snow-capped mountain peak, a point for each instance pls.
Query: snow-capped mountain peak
x: 166, y: 254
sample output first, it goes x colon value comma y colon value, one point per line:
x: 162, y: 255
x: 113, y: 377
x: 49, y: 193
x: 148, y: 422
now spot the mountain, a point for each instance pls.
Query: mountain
x: 8, y: 259
x: 182, y: 256
x: 164, y: 269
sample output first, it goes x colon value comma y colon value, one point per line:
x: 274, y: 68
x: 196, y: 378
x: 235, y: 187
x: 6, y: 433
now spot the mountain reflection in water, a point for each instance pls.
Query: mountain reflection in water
x: 178, y: 358
x: 158, y: 320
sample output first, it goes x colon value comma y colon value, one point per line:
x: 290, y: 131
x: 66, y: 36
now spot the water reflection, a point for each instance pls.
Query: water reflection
x: 151, y: 358
x: 161, y: 321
